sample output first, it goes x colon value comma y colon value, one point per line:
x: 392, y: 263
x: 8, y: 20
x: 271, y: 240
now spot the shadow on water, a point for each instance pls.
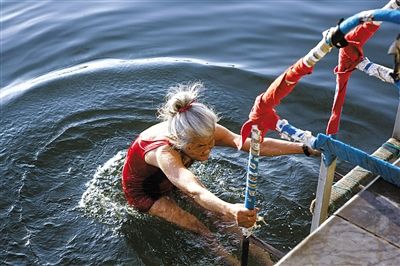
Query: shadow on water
x: 57, y: 130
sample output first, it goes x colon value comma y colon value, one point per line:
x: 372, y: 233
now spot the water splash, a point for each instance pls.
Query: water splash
x: 104, y: 199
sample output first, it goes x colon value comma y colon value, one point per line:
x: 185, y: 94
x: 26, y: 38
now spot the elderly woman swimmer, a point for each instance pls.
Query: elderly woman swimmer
x: 158, y: 160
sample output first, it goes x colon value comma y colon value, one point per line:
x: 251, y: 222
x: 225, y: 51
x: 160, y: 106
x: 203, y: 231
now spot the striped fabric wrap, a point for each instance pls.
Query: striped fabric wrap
x: 376, y: 70
x: 252, y: 169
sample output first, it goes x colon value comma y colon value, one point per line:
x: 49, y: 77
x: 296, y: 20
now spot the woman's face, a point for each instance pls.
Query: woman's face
x: 199, y: 148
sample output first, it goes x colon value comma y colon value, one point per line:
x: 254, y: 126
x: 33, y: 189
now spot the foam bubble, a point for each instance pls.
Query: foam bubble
x: 104, y: 199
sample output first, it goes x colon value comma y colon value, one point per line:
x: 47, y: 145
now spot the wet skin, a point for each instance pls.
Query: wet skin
x: 199, y: 148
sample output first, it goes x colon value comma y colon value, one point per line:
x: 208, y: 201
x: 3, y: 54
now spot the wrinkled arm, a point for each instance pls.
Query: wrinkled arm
x: 170, y: 163
x: 269, y: 146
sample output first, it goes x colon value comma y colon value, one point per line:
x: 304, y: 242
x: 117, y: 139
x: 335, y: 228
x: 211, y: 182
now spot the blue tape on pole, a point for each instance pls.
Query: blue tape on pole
x: 388, y: 15
x: 368, y: 66
x: 289, y: 129
x: 387, y: 171
x: 252, y: 169
x: 251, y: 182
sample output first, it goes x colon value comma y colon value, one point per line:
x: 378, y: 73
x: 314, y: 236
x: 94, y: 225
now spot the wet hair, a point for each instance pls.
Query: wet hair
x: 187, y: 118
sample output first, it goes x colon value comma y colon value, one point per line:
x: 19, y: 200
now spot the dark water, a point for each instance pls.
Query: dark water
x: 80, y: 79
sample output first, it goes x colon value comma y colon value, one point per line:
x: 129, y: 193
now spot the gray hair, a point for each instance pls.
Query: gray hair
x: 186, y: 117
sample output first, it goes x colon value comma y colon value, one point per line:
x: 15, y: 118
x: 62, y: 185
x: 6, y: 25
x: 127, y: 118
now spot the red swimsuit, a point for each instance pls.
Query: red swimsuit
x: 143, y: 184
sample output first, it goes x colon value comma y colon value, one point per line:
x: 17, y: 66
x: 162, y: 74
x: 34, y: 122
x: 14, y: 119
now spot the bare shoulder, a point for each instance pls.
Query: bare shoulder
x: 163, y: 155
x: 157, y: 131
x: 225, y: 137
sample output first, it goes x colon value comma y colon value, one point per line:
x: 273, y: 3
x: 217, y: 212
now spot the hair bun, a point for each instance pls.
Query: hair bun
x: 179, y: 99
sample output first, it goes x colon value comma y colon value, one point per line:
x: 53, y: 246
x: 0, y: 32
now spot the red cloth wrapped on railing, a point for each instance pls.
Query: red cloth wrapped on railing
x: 263, y: 113
x: 349, y: 57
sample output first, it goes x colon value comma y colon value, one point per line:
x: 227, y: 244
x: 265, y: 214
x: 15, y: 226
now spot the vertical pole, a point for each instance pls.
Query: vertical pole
x: 325, y: 181
x: 252, y: 168
x: 394, y: 49
x: 251, y: 185
x: 396, y: 130
x: 245, y: 250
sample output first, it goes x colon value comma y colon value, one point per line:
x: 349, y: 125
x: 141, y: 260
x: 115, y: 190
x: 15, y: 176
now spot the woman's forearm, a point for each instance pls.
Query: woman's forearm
x: 274, y: 147
x: 235, y: 212
x: 209, y: 201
